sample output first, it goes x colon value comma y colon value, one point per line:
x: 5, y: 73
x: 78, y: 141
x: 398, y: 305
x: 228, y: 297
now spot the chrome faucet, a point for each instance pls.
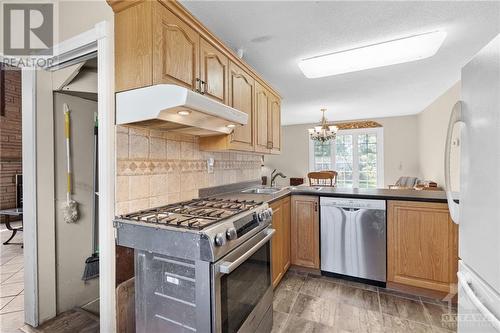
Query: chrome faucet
x: 274, y: 175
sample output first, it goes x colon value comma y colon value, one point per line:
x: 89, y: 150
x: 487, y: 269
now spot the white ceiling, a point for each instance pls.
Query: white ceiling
x: 277, y: 34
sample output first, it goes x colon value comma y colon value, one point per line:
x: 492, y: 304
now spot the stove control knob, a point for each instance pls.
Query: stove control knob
x: 231, y: 234
x: 261, y: 216
x: 219, y: 239
x: 269, y: 213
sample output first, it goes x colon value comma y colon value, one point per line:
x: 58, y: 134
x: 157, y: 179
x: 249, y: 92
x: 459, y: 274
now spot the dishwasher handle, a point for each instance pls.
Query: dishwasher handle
x: 344, y: 207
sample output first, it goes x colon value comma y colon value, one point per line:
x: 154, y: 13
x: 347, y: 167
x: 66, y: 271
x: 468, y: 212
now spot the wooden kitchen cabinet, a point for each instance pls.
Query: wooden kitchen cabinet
x: 305, y: 231
x: 175, y: 50
x: 133, y: 47
x: 214, y: 68
x: 422, y: 245
x: 286, y: 231
x: 267, y: 121
x: 277, y: 244
x: 275, y: 127
x: 280, y: 245
x: 262, y: 120
x: 159, y: 41
x: 241, y: 97
x: 241, y: 91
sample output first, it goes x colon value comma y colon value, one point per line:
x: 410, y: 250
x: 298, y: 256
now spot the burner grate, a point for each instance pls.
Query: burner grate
x: 194, y: 214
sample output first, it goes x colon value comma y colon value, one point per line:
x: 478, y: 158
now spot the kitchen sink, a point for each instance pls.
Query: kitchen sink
x: 262, y: 190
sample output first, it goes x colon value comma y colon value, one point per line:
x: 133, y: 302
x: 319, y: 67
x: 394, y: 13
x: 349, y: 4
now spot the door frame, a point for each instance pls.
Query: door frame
x: 97, y: 40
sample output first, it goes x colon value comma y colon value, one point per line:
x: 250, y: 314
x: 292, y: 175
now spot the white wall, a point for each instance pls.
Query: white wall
x: 413, y: 145
x: 400, y: 150
x: 432, y: 127
x: 77, y: 16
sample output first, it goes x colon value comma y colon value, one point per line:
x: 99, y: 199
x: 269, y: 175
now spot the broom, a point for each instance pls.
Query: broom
x: 70, y: 207
x: 92, y: 263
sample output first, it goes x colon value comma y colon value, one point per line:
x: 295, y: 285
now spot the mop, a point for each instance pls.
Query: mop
x: 70, y: 207
x: 92, y: 263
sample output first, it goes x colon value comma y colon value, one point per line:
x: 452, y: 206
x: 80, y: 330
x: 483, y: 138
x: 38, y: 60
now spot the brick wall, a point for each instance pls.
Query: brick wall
x: 10, y: 139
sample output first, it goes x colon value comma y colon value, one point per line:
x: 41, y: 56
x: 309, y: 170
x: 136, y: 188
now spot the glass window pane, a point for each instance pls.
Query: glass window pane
x: 344, y: 160
x: 365, y: 153
x: 367, y: 160
x: 322, y: 156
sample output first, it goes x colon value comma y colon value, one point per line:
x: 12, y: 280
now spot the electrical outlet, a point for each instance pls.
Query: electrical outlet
x: 210, y: 165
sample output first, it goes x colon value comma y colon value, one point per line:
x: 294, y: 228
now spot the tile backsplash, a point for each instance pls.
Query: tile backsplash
x: 155, y: 168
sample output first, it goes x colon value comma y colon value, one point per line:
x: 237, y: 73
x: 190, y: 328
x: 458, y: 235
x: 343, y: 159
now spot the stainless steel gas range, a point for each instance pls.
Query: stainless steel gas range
x: 201, y: 266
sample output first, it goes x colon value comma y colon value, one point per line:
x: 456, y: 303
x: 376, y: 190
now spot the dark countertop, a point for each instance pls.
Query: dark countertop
x: 384, y: 194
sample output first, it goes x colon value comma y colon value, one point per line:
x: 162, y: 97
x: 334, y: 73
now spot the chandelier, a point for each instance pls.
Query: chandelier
x: 323, y: 132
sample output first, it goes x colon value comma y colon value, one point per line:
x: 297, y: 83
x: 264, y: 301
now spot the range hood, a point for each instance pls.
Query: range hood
x: 169, y: 107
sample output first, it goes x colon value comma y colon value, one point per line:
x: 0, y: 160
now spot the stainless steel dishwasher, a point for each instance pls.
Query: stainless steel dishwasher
x: 353, y: 238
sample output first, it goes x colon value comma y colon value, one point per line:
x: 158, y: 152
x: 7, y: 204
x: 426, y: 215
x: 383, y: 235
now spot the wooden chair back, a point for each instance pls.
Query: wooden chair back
x: 322, y: 178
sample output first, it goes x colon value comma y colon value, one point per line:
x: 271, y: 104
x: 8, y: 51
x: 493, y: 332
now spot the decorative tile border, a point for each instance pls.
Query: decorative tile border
x: 131, y: 167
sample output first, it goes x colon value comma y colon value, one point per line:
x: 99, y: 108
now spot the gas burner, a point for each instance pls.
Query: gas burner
x: 194, y: 214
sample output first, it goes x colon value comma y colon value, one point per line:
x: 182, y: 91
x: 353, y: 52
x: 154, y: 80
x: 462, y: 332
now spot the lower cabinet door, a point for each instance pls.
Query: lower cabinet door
x: 305, y: 231
x: 422, y: 246
x: 285, y: 227
x: 276, y: 244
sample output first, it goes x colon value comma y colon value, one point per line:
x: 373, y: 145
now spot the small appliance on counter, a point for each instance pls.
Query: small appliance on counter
x: 296, y: 181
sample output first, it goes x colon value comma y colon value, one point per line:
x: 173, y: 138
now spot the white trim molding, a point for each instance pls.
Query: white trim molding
x: 98, y: 40
x: 30, y: 235
x: 107, y: 162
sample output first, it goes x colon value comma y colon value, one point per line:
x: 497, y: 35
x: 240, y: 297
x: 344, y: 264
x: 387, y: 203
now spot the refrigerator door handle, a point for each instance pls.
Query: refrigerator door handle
x: 465, y: 281
x: 455, y: 117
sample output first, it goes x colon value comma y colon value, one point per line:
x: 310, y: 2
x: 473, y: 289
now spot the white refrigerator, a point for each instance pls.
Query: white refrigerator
x: 478, y: 210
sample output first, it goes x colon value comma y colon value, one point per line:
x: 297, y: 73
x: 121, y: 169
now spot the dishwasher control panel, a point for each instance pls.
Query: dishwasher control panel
x: 353, y: 203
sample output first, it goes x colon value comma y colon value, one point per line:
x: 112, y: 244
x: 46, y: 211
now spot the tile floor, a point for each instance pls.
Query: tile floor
x: 306, y: 303
x: 11, y: 283
x: 303, y: 303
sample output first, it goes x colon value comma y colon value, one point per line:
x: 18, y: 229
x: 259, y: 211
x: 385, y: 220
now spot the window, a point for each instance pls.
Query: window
x: 357, y: 155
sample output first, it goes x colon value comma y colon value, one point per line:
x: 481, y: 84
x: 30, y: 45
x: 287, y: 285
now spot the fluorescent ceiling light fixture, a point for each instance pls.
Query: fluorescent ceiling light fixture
x: 392, y: 52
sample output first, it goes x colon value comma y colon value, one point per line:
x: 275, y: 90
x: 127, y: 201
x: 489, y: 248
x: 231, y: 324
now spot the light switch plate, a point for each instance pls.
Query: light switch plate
x: 210, y: 165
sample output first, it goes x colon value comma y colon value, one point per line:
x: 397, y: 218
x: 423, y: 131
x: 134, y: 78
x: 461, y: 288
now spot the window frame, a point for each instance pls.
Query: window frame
x: 379, y: 131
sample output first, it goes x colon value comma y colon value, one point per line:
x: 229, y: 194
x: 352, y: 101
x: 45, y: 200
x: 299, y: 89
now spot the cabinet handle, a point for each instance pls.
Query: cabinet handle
x: 269, y: 145
x: 198, y: 85
x: 315, y: 206
x: 204, y: 89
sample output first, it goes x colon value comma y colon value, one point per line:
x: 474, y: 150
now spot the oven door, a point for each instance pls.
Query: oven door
x: 242, y: 286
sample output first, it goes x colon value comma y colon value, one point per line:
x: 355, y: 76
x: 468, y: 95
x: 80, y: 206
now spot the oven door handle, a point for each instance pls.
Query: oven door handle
x: 227, y: 267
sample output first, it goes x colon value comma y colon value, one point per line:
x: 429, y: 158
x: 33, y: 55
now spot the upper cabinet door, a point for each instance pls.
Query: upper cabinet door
x: 214, y: 72
x: 262, y: 123
x: 175, y: 50
x: 275, y: 128
x: 241, y: 93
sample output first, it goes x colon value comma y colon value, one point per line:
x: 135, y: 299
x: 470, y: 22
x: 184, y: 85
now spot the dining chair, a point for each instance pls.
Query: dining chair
x: 322, y: 178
